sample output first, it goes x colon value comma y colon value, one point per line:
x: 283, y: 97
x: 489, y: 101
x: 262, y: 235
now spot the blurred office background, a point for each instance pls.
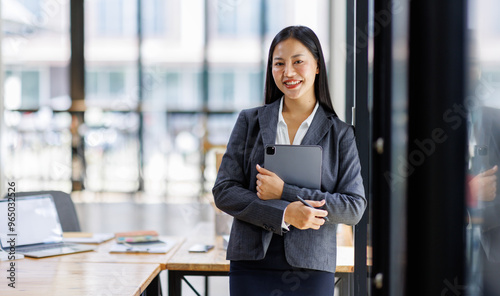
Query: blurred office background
x: 129, y: 100
x: 125, y: 103
x: 163, y: 83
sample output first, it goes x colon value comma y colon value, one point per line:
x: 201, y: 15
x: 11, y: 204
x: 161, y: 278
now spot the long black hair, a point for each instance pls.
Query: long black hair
x: 307, y: 37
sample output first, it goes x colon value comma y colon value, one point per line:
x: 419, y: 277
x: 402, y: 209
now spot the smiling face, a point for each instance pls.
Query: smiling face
x: 294, y: 69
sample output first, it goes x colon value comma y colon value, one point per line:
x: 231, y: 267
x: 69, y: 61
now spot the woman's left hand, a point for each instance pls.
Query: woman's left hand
x: 269, y: 185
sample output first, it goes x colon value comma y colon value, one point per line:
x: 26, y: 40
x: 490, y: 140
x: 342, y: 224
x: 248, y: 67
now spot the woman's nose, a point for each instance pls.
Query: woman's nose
x: 289, y: 71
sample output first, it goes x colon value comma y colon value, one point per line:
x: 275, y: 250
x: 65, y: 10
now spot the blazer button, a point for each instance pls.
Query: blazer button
x: 266, y: 227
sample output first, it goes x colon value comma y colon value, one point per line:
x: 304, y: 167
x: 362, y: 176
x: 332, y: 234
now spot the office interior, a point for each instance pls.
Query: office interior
x: 127, y: 104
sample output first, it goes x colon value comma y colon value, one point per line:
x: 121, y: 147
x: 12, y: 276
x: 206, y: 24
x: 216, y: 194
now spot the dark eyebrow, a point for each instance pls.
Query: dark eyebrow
x: 294, y: 56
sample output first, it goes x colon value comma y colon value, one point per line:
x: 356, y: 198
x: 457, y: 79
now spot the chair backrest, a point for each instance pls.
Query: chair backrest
x: 64, y: 205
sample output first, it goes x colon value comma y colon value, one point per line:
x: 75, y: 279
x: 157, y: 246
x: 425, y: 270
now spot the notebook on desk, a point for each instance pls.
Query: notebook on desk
x: 35, y: 230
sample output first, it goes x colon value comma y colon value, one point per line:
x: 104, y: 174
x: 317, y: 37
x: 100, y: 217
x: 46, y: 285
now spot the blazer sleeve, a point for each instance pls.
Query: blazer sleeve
x: 234, y: 192
x: 347, y: 204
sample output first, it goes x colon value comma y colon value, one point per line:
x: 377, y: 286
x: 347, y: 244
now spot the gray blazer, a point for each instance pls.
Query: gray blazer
x: 256, y: 220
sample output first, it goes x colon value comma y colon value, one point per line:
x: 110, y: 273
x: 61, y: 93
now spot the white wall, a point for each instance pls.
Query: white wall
x: 337, y: 75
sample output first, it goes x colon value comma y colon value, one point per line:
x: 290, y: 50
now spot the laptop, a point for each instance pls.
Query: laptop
x: 35, y: 230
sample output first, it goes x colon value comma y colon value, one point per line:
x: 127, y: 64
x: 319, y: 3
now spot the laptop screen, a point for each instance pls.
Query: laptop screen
x: 36, y: 221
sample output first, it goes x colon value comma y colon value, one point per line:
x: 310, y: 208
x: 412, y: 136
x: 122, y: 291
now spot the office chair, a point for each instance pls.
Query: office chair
x: 64, y: 206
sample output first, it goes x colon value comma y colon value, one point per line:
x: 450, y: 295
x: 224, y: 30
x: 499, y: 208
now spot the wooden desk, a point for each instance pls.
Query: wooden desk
x: 182, y: 263
x: 102, y: 255
x: 41, y: 277
x: 214, y: 263
x: 46, y: 273
x: 214, y: 260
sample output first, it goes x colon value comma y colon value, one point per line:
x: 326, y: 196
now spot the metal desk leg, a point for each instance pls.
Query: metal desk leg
x: 175, y: 278
x: 154, y: 288
x: 206, y: 285
x: 174, y: 283
x: 345, y: 284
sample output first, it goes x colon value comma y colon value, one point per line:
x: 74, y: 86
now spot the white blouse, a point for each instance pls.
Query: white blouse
x: 282, y: 138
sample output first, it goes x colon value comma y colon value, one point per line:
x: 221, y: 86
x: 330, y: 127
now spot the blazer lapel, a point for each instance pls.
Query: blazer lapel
x: 320, y: 125
x: 268, y: 122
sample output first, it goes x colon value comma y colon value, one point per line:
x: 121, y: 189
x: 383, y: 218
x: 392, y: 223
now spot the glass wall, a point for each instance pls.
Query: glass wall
x: 164, y: 82
x: 483, y: 118
x: 190, y: 67
x: 36, y: 138
x: 111, y: 119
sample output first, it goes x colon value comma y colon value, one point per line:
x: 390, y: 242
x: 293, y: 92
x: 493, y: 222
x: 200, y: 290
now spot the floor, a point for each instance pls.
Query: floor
x: 167, y: 218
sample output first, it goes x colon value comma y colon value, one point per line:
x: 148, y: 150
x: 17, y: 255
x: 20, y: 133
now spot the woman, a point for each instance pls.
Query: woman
x: 278, y: 246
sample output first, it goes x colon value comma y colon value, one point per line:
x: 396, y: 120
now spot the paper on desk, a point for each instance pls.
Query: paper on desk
x: 225, y: 241
x: 95, y: 238
x: 162, y: 246
x: 4, y: 256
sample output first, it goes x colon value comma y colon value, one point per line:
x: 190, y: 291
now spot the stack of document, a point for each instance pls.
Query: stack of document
x: 137, y: 236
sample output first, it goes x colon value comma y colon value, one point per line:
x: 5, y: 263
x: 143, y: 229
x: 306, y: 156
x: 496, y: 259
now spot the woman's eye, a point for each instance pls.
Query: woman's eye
x: 299, y: 62
x: 279, y: 64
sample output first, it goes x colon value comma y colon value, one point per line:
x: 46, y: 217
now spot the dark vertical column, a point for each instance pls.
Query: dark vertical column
x: 77, y: 80
x: 205, y: 95
x: 363, y: 137
x: 77, y: 60
x: 205, y: 69
x: 435, y: 162
x: 140, y: 94
x: 390, y: 98
x: 350, y: 58
x: 381, y: 161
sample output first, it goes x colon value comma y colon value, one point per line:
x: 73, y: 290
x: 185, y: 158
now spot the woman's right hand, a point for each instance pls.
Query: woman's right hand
x: 303, y: 217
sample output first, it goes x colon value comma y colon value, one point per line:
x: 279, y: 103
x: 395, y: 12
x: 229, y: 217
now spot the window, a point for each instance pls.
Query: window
x: 22, y: 89
x: 153, y: 103
x: 237, y: 18
x: 154, y: 24
x: 221, y: 90
x: 114, y: 17
x: 35, y: 56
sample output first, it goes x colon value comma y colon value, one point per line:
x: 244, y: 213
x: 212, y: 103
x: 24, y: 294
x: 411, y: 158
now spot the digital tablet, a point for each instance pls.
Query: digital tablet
x: 298, y: 165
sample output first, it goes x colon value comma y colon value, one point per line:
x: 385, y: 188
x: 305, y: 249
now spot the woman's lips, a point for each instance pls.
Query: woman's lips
x: 292, y: 83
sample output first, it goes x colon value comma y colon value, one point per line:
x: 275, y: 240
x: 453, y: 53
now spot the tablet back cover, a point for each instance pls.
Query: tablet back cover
x: 298, y: 165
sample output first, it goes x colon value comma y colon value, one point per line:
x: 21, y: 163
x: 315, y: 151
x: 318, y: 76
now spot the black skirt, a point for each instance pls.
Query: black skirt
x: 273, y: 276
